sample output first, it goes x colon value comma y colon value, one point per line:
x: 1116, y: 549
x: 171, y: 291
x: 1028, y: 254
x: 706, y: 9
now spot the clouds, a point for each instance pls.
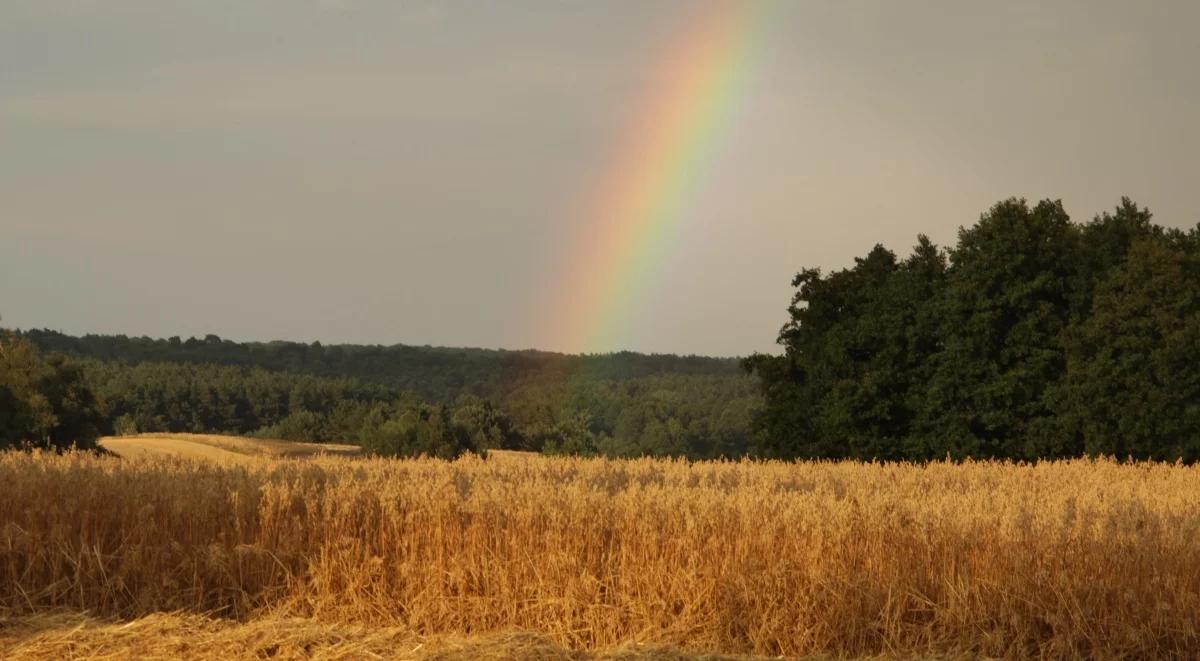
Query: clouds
x: 415, y: 167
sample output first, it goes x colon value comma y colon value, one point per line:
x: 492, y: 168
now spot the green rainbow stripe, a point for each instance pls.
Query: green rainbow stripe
x: 635, y: 215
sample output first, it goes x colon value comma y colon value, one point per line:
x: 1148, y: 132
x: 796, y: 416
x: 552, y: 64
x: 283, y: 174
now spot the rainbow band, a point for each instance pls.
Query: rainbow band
x: 660, y: 168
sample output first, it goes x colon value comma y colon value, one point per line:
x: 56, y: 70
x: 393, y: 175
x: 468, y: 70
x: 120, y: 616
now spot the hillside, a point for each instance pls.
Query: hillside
x: 412, y: 400
x: 438, y: 374
x: 217, y: 447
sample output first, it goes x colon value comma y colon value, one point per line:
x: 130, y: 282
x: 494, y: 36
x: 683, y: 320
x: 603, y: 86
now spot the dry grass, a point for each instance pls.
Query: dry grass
x: 1080, y: 558
x: 221, y: 448
x: 183, y: 636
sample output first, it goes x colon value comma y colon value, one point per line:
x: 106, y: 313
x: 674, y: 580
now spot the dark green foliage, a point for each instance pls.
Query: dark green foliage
x: 670, y: 415
x: 571, y: 436
x: 43, y: 399
x: 173, y: 397
x: 489, y: 427
x: 301, y: 425
x: 858, y: 348
x: 1133, y: 385
x: 1032, y: 338
x: 1003, y: 308
x: 435, y: 374
x: 618, y: 405
x: 418, y: 431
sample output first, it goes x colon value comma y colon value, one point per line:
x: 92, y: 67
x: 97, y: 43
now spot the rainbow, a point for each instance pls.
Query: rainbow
x: 630, y: 220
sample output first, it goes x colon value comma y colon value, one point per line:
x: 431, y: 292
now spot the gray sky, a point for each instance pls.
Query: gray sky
x: 385, y: 172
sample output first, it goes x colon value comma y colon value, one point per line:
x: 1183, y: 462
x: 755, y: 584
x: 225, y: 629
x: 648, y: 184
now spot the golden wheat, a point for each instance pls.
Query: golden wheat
x: 1077, y: 558
x: 216, y: 447
x: 172, y: 636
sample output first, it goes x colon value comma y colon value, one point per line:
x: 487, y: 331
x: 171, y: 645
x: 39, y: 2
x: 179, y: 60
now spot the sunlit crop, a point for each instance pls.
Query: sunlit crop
x: 1060, y: 558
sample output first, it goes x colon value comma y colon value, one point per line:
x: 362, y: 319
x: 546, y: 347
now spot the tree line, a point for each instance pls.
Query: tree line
x: 1032, y: 337
x: 436, y: 374
x: 620, y: 406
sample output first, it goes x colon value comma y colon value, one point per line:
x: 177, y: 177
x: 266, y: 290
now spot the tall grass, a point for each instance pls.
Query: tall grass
x: 1054, y: 559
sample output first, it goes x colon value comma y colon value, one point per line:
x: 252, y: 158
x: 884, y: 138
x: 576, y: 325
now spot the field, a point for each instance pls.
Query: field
x: 513, y: 556
x: 215, y: 447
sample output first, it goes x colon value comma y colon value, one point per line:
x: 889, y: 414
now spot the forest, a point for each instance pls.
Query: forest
x: 437, y: 374
x: 1032, y: 337
x: 408, y: 400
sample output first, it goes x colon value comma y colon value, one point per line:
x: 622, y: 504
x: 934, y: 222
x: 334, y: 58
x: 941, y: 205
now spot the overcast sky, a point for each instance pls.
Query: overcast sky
x: 410, y: 172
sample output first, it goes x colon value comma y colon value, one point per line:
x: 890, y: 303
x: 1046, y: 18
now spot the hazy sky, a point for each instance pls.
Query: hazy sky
x: 410, y: 172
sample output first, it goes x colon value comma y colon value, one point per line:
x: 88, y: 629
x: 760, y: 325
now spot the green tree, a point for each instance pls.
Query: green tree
x: 857, y: 347
x: 488, y: 426
x: 420, y: 431
x: 572, y: 436
x: 1132, y: 387
x: 1005, y: 306
x: 44, y: 400
x: 1032, y: 337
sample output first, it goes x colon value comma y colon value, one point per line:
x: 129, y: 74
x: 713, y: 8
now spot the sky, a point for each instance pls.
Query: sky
x: 418, y: 172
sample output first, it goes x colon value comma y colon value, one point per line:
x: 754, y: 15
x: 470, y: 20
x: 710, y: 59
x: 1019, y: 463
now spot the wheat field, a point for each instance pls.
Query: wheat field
x: 1057, y: 559
x: 217, y: 448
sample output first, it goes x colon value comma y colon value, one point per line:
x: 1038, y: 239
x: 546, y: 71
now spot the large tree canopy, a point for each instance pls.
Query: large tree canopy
x: 1033, y: 337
